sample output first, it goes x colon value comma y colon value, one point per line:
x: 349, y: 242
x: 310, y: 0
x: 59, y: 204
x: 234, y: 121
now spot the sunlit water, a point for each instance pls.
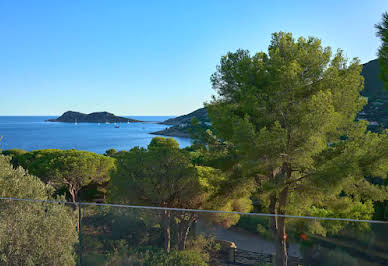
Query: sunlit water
x: 33, y: 133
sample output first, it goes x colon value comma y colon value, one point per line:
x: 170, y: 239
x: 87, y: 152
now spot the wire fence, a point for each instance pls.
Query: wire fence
x: 195, y: 210
x: 112, y: 234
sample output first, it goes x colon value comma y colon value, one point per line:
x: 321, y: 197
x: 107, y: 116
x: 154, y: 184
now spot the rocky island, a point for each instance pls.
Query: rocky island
x: 97, y: 117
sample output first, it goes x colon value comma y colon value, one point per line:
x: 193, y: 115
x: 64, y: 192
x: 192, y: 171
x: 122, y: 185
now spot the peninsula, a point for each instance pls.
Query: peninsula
x: 181, y: 125
x: 97, y: 117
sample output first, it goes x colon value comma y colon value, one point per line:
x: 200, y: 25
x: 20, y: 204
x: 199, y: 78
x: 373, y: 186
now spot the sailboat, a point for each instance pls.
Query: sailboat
x: 116, y: 126
x: 75, y: 123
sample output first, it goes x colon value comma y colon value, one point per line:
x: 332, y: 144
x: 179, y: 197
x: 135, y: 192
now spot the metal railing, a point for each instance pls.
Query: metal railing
x: 110, y: 234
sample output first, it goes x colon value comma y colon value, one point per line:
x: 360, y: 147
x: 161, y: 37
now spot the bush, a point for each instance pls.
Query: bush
x: 255, y: 224
x: 33, y: 233
x: 317, y: 255
x: 338, y: 257
x: 155, y: 256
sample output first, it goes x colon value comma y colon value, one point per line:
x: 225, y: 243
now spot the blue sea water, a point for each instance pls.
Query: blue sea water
x: 33, y: 133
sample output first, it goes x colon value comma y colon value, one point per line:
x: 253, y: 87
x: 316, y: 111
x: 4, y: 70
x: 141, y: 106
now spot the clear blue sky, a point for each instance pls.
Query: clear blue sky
x: 152, y: 57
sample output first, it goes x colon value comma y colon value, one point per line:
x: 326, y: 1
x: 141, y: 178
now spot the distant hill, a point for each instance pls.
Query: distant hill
x: 98, y: 117
x: 181, y: 125
x: 376, y: 111
x: 200, y: 114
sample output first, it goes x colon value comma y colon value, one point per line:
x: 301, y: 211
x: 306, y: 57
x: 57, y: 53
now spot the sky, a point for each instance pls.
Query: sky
x: 152, y: 57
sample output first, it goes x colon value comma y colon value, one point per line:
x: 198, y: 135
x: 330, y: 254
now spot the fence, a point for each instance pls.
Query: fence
x: 34, y: 231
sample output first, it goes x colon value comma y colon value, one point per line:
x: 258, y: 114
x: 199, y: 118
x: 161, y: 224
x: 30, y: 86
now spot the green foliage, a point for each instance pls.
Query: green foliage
x: 164, y: 175
x: 13, y: 152
x: 33, y: 233
x: 159, y: 176
x: 281, y: 111
x: 110, y: 152
x: 68, y: 168
x: 256, y: 224
x: 313, y: 255
x: 152, y: 256
x: 289, y: 117
x: 382, y: 32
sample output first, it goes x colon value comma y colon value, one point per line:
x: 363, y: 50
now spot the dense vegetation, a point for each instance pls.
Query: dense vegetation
x: 33, y: 233
x: 382, y: 32
x: 285, y: 139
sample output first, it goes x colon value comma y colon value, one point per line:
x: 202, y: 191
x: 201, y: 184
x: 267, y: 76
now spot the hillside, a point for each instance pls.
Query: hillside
x: 376, y: 111
x: 200, y: 114
x: 181, y: 125
x: 97, y: 117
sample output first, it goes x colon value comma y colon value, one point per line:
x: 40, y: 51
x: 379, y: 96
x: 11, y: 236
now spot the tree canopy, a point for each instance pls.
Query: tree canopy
x: 290, y: 116
x: 70, y: 168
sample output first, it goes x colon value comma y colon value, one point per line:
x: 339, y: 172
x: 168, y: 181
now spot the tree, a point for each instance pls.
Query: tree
x: 70, y: 168
x: 110, y: 152
x: 33, y: 233
x: 164, y: 175
x: 290, y: 117
x: 382, y: 32
x: 159, y: 176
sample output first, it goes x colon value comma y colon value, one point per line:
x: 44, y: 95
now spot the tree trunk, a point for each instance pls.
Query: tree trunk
x: 281, y: 236
x: 273, y: 219
x: 277, y: 206
x: 281, y: 243
x: 166, y: 231
x: 184, y: 229
x: 73, y: 195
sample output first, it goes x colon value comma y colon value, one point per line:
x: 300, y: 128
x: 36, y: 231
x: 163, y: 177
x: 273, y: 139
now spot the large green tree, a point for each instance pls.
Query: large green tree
x: 33, y: 233
x: 290, y: 116
x: 382, y: 33
x: 164, y: 175
x: 160, y: 176
x: 71, y: 169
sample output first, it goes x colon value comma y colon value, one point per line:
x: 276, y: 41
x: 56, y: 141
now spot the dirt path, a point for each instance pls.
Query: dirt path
x: 246, y: 240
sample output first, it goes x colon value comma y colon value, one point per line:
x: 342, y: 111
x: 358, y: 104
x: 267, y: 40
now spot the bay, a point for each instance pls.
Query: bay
x: 33, y: 133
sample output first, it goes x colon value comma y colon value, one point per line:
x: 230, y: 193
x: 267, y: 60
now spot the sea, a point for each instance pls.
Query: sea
x: 33, y: 133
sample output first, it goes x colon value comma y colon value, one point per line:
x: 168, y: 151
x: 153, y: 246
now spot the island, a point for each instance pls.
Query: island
x: 97, y: 117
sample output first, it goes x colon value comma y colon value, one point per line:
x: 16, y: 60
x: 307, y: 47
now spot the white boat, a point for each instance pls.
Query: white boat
x: 75, y: 123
